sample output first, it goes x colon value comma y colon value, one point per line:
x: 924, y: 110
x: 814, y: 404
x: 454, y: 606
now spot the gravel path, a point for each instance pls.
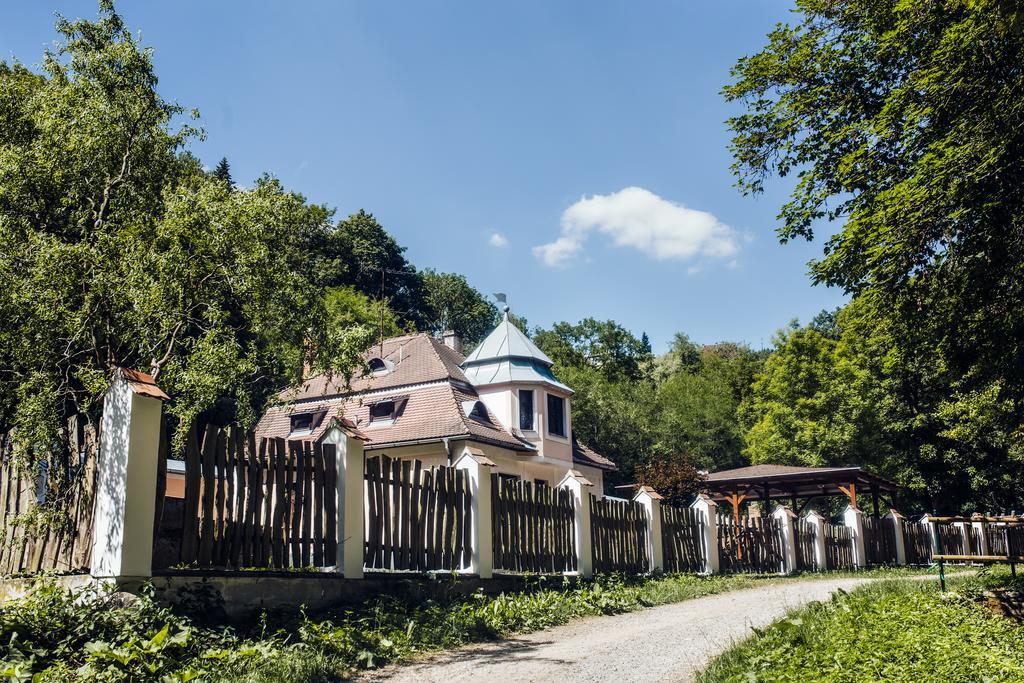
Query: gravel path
x: 667, y: 643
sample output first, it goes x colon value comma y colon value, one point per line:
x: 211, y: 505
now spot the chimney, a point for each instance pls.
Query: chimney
x: 452, y: 340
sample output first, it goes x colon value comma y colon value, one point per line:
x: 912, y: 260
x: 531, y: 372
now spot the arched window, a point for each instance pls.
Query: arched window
x: 476, y: 410
x: 378, y: 365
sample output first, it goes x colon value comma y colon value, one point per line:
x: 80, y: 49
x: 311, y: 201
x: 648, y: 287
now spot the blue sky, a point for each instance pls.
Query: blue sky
x: 588, y: 137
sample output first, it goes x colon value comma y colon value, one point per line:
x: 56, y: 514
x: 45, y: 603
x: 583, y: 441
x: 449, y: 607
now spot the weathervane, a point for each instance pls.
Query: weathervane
x: 500, y: 296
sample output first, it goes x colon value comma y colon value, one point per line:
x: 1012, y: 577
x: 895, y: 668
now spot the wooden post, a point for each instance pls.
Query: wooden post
x: 785, y: 516
x: 651, y: 501
x: 854, y: 519
x: 126, y: 479
x: 897, y: 521
x: 478, y: 468
x: 709, y: 518
x: 851, y: 492
x: 580, y: 488
x: 818, y: 522
x: 347, y: 447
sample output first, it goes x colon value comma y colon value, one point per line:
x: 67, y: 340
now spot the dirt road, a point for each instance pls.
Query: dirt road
x: 668, y: 643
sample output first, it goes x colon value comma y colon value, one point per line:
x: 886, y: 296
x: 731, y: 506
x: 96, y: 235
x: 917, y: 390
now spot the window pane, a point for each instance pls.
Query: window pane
x: 556, y: 415
x: 382, y: 410
x: 526, y: 409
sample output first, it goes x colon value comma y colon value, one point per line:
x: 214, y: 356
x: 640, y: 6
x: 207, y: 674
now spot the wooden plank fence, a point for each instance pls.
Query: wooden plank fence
x: 682, y: 536
x: 806, y: 535
x: 879, y: 541
x: 534, y: 527
x: 917, y: 542
x: 753, y: 545
x: 416, y: 519
x: 951, y: 540
x: 270, y: 504
x: 838, y: 546
x: 618, y: 531
x: 41, y: 534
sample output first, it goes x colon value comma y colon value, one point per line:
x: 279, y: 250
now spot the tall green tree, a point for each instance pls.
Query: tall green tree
x: 223, y: 172
x: 451, y: 303
x: 117, y: 250
x: 904, y: 121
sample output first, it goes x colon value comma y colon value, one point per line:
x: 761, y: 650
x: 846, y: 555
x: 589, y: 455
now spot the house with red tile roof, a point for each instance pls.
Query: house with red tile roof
x: 420, y: 398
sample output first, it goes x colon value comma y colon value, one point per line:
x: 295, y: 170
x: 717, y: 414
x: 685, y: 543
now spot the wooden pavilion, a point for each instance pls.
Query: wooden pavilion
x: 785, y: 482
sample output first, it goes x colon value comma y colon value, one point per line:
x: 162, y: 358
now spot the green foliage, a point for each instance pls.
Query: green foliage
x: 117, y: 250
x: 97, y: 636
x: 223, y: 172
x: 896, y: 630
x: 451, y: 303
x: 902, y: 121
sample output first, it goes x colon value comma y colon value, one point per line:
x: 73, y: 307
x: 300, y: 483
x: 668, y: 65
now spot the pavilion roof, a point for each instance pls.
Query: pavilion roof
x: 759, y: 482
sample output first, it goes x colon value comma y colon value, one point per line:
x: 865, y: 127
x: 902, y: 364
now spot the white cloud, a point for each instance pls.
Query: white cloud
x: 498, y: 240
x: 637, y: 218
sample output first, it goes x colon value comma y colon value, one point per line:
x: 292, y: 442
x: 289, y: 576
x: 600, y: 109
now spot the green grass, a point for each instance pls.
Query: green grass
x: 90, y: 636
x: 894, y: 630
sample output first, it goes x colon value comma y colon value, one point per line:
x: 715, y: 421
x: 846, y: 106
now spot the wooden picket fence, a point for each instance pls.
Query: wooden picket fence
x: 267, y: 505
x: 753, y: 545
x: 417, y: 519
x: 35, y: 536
x: 917, y: 542
x: 838, y: 546
x: 879, y: 541
x: 682, y: 536
x: 618, y: 532
x: 1006, y: 539
x: 806, y: 535
x: 951, y: 540
x: 533, y: 527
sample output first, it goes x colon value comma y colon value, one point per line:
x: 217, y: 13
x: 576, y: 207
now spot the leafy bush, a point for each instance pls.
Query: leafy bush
x: 891, y: 630
x: 92, y: 635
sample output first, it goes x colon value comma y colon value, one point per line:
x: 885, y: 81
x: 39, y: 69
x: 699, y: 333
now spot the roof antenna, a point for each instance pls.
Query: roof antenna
x: 503, y: 300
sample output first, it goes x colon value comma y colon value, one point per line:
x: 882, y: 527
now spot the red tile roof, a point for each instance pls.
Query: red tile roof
x: 584, y: 455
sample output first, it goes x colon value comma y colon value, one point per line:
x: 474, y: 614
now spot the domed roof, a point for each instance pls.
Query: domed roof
x: 506, y: 341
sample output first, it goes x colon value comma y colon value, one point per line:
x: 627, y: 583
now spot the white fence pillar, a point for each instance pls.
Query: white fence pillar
x: 896, y: 520
x: 818, y: 523
x: 931, y: 531
x: 651, y: 501
x: 965, y: 539
x: 478, y: 467
x: 785, y: 517
x: 580, y: 488
x: 979, y: 528
x: 126, y: 478
x: 709, y: 519
x: 854, y: 520
x: 351, y: 493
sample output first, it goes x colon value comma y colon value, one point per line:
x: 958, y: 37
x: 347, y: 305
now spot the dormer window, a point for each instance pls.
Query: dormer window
x: 305, y: 422
x: 476, y: 410
x: 556, y: 415
x: 384, y: 411
x: 387, y: 410
x: 378, y: 366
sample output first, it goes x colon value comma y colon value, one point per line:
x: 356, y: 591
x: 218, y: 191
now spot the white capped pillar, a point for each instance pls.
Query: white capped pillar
x: 709, y: 518
x: 897, y: 521
x: 580, y: 487
x: 785, y: 517
x: 478, y: 468
x: 651, y: 500
x: 978, y: 524
x: 818, y: 523
x: 347, y: 445
x: 126, y: 476
x: 854, y: 520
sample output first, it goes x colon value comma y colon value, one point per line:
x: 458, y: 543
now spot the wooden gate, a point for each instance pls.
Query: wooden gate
x: 682, y: 536
x: 534, y: 527
x: 753, y: 545
x: 268, y: 505
x: 417, y: 519
x: 618, y: 531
